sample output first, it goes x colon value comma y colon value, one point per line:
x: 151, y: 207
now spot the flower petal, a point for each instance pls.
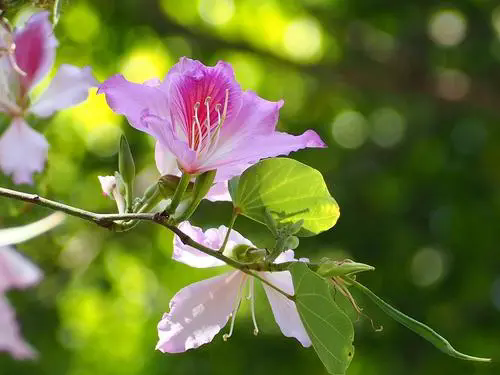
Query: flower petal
x: 15, y: 235
x: 198, y: 312
x: 16, y: 270
x: 166, y: 162
x: 35, y: 49
x: 252, y: 150
x: 10, y: 337
x: 23, y: 151
x: 134, y: 100
x: 219, y: 192
x: 69, y: 87
x: 212, y: 238
x: 284, y: 311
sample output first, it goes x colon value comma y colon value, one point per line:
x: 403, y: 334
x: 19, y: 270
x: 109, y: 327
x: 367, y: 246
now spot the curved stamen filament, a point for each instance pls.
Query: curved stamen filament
x: 252, y: 293
x: 236, y: 306
x: 196, y: 147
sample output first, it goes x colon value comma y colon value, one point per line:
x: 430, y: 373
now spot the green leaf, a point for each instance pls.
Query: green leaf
x: 290, y: 190
x: 329, y: 328
x: 419, y: 328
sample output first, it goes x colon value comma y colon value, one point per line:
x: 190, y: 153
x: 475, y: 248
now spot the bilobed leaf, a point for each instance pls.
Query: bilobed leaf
x: 329, y: 328
x: 286, y: 188
x: 419, y: 328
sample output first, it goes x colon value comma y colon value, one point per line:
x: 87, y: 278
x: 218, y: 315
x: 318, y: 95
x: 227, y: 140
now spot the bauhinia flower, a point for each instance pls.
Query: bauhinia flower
x: 18, y: 272
x: 202, y: 120
x: 200, y: 310
x: 23, y: 63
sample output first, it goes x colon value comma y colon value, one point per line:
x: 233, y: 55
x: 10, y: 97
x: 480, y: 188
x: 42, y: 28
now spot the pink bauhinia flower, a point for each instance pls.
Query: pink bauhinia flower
x: 25, y: 60
x: 202, y: 120
x: 17, y: 272
x: 200, y: 310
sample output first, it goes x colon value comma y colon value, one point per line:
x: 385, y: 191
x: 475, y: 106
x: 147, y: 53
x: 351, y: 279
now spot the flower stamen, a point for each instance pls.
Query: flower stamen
x: 236, y: 307
x: 194, y: 146
x: 252, y: 293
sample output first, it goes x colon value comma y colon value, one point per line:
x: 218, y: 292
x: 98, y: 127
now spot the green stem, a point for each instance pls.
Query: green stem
x: 234, y: 216
x: 109, y: 221
x: 179, y: 192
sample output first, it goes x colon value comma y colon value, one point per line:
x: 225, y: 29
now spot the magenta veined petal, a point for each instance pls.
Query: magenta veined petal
x: 201, y: 115
x: 35, y: 49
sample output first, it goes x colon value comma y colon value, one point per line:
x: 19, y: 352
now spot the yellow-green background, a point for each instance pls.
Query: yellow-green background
x: 407, y: 96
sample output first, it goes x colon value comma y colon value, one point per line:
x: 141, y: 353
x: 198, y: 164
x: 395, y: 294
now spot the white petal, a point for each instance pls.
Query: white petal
x: 69, y: 87
x: 16, y: 270
x: 110, y: 189
x: 198, y: 312
x: 108, y: 183
x: 10, y: 337
x: 166, y: 162
x: 23, y: 151
x: 219, y: 192
x: 285, y: 256
x: 11, y: 236
x: 212, y: 238
x: 284, y: 310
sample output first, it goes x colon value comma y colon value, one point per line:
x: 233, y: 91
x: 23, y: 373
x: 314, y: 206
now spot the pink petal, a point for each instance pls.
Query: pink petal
x: 259, y: 147
x: 251, y: 136
x: 198, y: 312
x: 35, y: 49
x: 69, y: 87
x: 212, y: 238
x: 16, y: 271
x: 134, y: 100
x: 284, y: 311
x: 15, y: 235
x: 23, y: 151
x: 10, y: 336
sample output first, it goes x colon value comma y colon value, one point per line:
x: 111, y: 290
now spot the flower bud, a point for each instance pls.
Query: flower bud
x: 330, y: 268
x: 292, y: 243
x: 126, y: 164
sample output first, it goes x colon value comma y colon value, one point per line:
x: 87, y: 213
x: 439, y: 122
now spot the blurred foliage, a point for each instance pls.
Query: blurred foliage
x: 406, y: 94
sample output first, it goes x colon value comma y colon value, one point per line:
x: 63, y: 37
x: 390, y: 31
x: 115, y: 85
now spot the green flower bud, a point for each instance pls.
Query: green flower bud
x: 126, y: 164
x: 247, y: 254
x: 330, y: 268
x: 291, y: 242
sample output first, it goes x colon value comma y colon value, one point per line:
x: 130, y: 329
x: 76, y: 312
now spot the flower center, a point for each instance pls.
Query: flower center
x: 203, y: 135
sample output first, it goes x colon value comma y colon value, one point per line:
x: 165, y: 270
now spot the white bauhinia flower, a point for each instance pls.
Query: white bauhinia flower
x: 17, y: 272
x: 26, y: 57
x: 200, y: 310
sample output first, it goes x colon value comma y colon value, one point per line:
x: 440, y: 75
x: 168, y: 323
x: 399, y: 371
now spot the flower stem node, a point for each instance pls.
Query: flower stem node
x: 248, y: 254
x: 168, y: 183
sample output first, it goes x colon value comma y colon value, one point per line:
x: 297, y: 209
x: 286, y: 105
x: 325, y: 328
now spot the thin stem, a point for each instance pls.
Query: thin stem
x: 179, y: 192
x: 231, y: 224
x: 108, y: 221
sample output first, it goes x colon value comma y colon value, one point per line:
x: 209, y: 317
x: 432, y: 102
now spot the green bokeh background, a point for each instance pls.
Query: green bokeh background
x: 407, y: 96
